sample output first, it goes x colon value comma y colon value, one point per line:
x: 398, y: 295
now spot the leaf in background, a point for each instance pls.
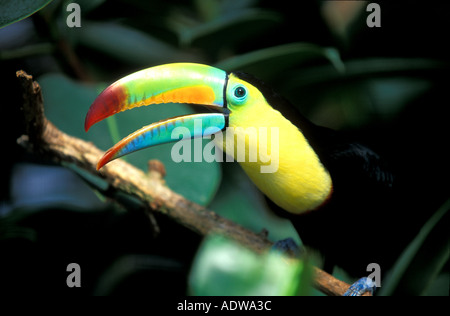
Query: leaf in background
x: 10, y: 227
x: 239, y: 200
x: 26, y: 51
x: 15, y: 10
x: 230, y: 6
x: 228, y: 29
x: 223, y: 267
x: 421, y: 262
x: 38, y: 187
x: 114, y: 279
x: 88, y: 5
x: 368, y: 68
x: 127, y: 44
x: 212, y: 9
x: 274, y: 60
x: 207, y: 9
x: 66, y: 105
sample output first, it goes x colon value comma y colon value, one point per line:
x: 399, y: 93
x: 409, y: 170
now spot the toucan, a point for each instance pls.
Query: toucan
x: 337, y: 192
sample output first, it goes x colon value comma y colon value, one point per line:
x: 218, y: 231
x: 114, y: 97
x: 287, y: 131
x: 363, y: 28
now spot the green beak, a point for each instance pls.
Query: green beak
x: 171, y: 83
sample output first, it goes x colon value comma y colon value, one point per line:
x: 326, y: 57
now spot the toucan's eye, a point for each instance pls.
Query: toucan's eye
x: 240, y: 92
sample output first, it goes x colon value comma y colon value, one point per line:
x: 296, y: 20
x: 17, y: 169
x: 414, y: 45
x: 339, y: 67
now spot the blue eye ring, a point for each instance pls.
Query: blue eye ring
x: 240, y: 93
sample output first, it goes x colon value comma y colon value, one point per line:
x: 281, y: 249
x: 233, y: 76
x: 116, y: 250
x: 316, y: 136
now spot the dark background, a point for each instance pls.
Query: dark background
x: 388, y: 86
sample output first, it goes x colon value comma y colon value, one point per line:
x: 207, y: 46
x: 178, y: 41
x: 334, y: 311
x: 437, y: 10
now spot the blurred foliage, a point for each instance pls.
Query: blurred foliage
x: 13, y: 11
x: 404, y: 279
x: 223, y: 267
x: 319, y: 54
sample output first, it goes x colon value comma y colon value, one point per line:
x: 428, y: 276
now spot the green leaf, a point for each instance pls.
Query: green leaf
x: 274, y: 60
x: 421, y: 262
x: 223, y: 267
x: 228, y: 29
x: 115, y: 277
x: 368, y: 68
x: 127, y: 44
x: 207, y: 9
x: 10, y: 227
x: 12, y: 11
x: 212, y: 9
x: 26, y: 51
x: 88, y: 5
x: 66, y: 105
x: 230, y: 6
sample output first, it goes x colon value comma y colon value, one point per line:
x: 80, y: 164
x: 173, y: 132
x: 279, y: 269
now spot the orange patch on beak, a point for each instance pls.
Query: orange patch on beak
x: 193, y: 95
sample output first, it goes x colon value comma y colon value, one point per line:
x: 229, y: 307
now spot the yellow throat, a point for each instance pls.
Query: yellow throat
x: 285, y: 167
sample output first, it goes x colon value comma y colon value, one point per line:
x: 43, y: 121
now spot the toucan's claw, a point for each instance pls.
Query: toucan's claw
x: 360, y: 287
x: 287, y: 245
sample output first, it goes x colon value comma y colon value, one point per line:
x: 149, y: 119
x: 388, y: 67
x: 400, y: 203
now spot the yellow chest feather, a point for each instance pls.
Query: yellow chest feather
x: 294, y: 177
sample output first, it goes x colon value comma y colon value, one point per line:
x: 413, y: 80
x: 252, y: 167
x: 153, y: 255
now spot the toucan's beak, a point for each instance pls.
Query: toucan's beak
x: 171, y: 83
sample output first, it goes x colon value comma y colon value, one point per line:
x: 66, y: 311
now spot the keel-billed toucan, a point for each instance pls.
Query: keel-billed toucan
x: 334, y: 190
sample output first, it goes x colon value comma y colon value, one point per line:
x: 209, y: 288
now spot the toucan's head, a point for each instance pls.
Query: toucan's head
x: 283, y: 165
x: 232, y: 99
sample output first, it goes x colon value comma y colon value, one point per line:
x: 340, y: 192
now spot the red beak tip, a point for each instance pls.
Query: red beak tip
x: 101, y: 163
x: 106, y: 158
x: 88, y: 121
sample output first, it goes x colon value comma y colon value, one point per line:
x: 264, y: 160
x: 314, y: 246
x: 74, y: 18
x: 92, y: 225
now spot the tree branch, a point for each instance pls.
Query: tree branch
x: 44, y: 139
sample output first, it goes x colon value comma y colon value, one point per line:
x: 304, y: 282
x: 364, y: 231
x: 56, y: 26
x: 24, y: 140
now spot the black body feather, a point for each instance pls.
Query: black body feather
x: 364, y: 220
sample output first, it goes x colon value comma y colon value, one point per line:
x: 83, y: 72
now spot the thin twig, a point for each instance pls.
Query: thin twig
x: 44, y: 139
